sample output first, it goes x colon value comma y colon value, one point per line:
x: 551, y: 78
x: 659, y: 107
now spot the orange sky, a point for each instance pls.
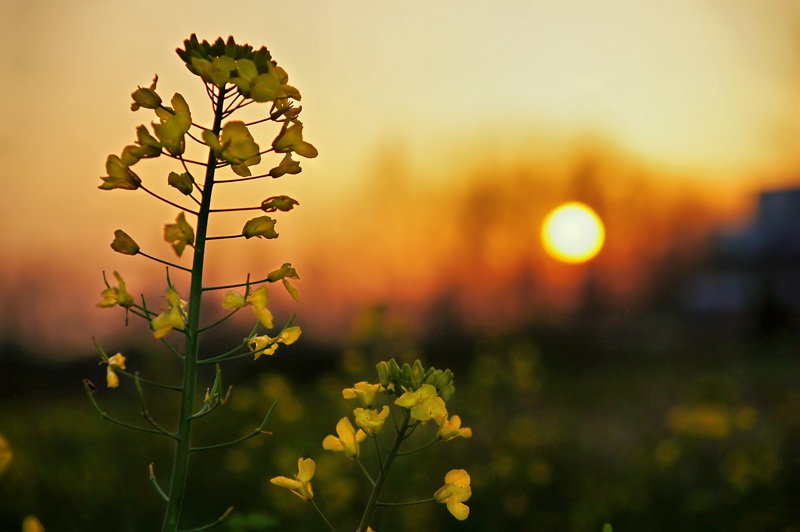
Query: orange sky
x: 446, y: 130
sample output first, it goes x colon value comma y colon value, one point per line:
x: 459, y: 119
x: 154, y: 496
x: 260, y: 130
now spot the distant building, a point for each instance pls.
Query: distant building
x: 755, y: 270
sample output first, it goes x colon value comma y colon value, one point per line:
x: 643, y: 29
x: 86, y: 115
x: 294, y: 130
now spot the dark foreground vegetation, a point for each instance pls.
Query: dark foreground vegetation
x: 696, y: 435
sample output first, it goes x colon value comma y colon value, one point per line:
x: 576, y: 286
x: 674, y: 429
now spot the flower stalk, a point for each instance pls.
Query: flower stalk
x: 234, y: 76
x: 180, y: 467
x: 372, y: 503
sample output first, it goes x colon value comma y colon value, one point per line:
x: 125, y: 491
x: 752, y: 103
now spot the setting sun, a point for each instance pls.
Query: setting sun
x: 572, y: 233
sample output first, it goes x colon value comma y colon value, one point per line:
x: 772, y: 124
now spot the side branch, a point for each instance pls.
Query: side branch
x: 154, y: 482
x: 146, y: 412
x: 173, y: 265
x: 238, y: 179
x: 237, y: 285
x: 149, y: 382
x: 256, y: 432
x: 165, y: 200
x: 235, y: 209
x: 209, y: 526
x: 89, y: 387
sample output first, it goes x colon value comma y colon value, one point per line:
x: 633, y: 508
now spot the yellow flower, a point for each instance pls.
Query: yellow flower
x: 286, y: 166
x: 261, y: 227
x: 117, y: 361
x: 284, y: 273
x: 175, y: 123
x: 265, y: 345
x: 179, y: 234
x: 290, y: 139
x: 455, y: 491
x: 300, y: 485
x: 124, y: 244
x: 147, y: 98
x: 424, y: 403
x: 258, y: 299
x: 348, y: 440
x: 171, y: 318
x: 183, y: 182
x: 278, y: 203
x: 236, y: 146
x: 371, y: 420
x: 119, y: 176
x: 233, y: 300
x: 115, y: 296
x: 451, y: 428
x: 273, y: 85
x: 364, y: 392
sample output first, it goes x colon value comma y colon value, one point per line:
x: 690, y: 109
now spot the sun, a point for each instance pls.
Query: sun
x: 573, y: 233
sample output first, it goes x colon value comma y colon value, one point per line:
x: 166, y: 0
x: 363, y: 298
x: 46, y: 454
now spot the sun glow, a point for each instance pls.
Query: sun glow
x: 572, y: 233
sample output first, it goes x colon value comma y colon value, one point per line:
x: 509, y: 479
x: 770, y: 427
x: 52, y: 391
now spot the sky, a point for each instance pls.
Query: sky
x: 446, y: 130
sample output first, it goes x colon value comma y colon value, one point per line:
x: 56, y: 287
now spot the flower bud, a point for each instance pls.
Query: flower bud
x: 405, y: 375
x: 395, y: 372
x: 417, y: 375
x: 444, y: 384
x: 383, y: 373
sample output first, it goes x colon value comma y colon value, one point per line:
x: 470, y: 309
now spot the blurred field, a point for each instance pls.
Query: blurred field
x: 568, y: 435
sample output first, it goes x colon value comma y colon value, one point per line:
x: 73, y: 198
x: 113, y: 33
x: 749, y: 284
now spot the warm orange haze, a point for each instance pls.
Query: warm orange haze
x: 547, y: 258
x: 440, y: 154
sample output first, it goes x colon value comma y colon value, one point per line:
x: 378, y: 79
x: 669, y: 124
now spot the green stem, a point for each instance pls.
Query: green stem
x: 170, y: 264
x: 424, y: 446
x: 237, y: 285
x: 228, y: 315
x: 89, y: 387
x: 165, y: 200
x: 154, y: 482
x: 322, y: 515
x: 256, y: 432
x: 409, y: 503
x: 149, y: 382
x: 372, y: 504
x: 180, y: 465
x: 366, y: 473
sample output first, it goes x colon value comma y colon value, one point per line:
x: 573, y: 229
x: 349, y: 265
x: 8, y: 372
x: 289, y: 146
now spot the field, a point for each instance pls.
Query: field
x: 570, y: 432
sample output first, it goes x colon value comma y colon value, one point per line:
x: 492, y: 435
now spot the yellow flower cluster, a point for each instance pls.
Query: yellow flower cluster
x: 420, y: 394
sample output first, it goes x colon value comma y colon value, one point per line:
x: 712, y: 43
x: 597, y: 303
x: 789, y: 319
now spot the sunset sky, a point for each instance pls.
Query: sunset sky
x: 447, y: 129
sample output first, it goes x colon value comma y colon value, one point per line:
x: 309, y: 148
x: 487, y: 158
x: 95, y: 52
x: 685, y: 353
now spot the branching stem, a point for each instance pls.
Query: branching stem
x: 372, y: 504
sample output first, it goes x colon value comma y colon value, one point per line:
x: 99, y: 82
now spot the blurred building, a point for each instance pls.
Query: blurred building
x: 753, y: 272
